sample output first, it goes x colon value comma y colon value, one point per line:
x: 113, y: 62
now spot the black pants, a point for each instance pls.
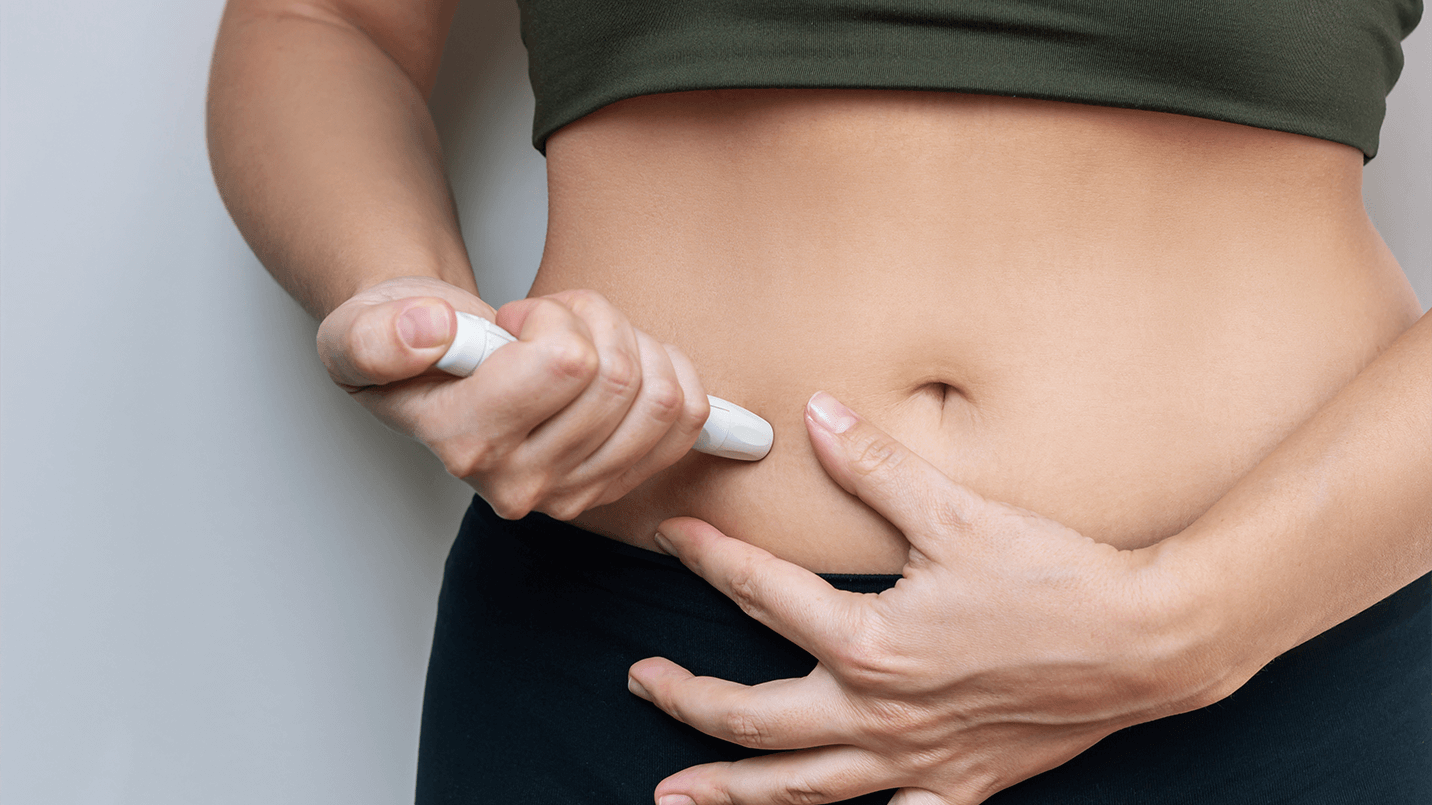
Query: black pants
x: 538, y: 622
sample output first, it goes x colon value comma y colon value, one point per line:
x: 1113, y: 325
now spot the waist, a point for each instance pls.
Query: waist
x: 1101, y: 315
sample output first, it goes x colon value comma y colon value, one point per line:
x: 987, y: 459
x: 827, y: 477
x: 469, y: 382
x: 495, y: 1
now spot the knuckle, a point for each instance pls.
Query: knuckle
x: 572, y: 356
x: 710, y: 791
x: 675, y: 354
x: 802, y: 791
x: 507, y: 506
x: 506, y: 509
x: 466, y: 458
x: 459, y: 463
x: 549, y: 306
x: 859, y: 664
x: 863, y: 660
x: 515, y: 501
x: 664, y: 399
x: 921, y: 761
x: 744, y: 586
x: 879, y: 454
x: 893, y: 718
x: 746, y: 729
x: 568, y: 508
x: 952, y: 513
x: 621, y: 375
x: 585, y: 299
x: 696, y: 411
x: 613, y: 493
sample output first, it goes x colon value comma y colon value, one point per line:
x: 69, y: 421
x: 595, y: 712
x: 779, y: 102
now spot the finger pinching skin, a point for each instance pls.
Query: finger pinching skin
x: 924, y: 686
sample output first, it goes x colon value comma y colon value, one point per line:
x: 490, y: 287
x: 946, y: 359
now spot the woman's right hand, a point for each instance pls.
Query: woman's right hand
x: 575, y: 414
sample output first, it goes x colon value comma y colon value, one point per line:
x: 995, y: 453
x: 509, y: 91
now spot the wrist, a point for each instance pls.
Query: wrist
x: 322, y: 284
x: 385, y: 289
x: 391, y: 280
x: 1198, y: 640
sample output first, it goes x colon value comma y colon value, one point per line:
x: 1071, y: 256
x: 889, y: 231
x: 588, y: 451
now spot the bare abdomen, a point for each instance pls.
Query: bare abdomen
x: 1105, y: 316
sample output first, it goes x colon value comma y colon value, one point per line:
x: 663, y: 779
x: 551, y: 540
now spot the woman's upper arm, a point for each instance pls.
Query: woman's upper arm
x: 411, y: 32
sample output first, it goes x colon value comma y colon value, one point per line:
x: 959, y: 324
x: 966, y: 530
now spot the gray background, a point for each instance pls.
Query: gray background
x: 217, y: 574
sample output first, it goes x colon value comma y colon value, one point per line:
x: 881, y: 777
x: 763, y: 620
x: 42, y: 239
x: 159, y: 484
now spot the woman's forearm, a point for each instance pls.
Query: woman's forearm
x: 1338, y: 517
x: 323, y: 147
x: 328, y: 160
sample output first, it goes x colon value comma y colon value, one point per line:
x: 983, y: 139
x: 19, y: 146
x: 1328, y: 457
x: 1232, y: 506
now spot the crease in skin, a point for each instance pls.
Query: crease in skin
x: 1130, y: 308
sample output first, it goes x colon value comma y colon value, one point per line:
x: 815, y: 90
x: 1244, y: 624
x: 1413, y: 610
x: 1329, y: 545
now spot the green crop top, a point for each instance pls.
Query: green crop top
x: 1317, y: 67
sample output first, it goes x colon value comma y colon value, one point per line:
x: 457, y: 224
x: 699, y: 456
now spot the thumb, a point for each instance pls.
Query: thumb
x: 372, y: 344
x: 904, y: 488
x: 513, y: 315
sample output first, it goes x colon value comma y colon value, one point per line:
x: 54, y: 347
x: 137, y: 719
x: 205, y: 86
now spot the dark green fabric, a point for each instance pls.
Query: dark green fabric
x: 1317, y: 67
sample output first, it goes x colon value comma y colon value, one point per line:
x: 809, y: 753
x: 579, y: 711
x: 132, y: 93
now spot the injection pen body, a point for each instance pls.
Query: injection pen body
x: 730, y: 431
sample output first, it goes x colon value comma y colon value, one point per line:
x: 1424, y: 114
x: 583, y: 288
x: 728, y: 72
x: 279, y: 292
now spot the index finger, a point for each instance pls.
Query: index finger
x: 889, y: 477
x: 781, y: 714
x: 794, y: 602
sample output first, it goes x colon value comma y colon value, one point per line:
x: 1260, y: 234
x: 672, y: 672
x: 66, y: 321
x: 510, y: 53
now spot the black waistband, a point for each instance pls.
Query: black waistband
x: 539, y: 620
x: 576, y: 550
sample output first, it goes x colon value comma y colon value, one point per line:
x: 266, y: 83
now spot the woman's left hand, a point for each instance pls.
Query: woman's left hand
x: 1010, y: 645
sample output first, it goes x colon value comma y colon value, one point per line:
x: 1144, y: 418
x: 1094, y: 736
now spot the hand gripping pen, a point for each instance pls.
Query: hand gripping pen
x: 730, y: 432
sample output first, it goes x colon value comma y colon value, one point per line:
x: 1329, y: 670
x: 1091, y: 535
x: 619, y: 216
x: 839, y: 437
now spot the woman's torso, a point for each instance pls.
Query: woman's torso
x: 1103, y: 315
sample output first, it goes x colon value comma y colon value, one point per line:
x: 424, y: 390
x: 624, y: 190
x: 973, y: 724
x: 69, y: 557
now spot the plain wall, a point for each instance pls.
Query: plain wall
x: 218, y: 574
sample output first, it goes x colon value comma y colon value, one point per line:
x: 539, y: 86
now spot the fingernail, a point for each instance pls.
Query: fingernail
x: 829, y: 413
x: 676, y: 799
x: 636, y: 688
x: 664, y: 544
x: 423, y: 326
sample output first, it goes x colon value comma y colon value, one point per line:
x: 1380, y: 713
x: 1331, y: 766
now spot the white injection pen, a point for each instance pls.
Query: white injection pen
x: 730, y: 432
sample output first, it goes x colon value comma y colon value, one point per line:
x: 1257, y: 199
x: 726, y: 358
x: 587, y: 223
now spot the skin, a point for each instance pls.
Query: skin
x: 1179, y: 341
